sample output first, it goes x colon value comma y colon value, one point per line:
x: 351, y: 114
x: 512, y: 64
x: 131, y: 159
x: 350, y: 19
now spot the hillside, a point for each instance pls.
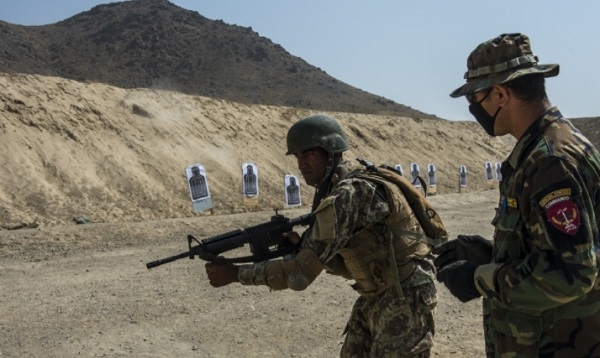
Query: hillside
x: 117, y: 155
x: 155, y: 44
x: 102, y: 112
x: 590, y: 127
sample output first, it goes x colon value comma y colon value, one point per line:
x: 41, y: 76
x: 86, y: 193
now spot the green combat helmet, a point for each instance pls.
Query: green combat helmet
x: 319, y: 131
x: 500, y: 60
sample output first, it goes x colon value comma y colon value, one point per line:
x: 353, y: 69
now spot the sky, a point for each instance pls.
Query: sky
x: 412, y: 52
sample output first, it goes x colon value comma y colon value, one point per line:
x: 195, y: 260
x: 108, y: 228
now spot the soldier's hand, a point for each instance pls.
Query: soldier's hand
x: 221, y: 275
x: 472, y: 248
x: 292, y: 237
x: 458, y: 277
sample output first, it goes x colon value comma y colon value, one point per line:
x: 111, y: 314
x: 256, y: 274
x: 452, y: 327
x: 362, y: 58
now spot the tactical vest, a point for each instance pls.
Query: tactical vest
x: 385, y: 254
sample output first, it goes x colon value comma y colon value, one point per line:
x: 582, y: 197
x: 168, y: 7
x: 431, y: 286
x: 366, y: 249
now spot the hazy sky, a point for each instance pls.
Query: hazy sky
x: 412, y: 52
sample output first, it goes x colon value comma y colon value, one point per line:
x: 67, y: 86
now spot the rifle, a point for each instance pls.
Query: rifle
x: 266, y: 241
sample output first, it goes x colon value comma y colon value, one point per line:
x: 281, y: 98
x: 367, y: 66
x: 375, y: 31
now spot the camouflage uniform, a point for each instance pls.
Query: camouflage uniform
x: 381, y: 324
x: 542, y: 291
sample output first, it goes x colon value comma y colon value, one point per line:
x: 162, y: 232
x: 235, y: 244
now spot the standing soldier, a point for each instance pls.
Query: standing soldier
x: 539, y: 280
x: 362, y: 230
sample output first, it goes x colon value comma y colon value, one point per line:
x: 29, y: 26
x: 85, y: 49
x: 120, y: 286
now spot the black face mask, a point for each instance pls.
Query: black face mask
x: 483, y: 117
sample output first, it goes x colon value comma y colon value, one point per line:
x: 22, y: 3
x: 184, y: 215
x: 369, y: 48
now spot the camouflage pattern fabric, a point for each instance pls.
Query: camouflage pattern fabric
x: 499, y: 60
x: 542, y: 290
x: 359, y: 204
x: 254, y: 274
x: 384, y: 326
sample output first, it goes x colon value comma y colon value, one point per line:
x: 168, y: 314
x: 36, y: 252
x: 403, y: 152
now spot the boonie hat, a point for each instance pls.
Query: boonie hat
x: 500, y: 60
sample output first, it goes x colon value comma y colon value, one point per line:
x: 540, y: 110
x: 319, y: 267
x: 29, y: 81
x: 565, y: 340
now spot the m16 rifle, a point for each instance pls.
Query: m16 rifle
x: 266, y: 241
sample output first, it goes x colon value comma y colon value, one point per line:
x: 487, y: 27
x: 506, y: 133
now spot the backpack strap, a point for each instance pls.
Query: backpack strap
x: 430, y: 221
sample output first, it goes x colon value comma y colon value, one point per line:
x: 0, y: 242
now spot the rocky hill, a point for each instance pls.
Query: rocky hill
x: 590, y: 127
x: 156, y: 44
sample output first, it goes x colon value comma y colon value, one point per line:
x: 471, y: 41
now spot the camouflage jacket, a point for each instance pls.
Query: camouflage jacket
x: 357, y: 204
x: 542, y: 290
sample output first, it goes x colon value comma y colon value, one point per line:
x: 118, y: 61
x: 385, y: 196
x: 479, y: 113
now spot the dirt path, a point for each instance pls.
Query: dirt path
x: 84, y: 291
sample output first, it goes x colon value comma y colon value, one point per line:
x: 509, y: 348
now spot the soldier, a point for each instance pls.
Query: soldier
x: 348, y: 236
x: 539, y: 279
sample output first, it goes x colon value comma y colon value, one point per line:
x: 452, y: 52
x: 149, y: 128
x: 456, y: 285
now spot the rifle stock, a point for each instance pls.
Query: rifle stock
x: 266, y: 241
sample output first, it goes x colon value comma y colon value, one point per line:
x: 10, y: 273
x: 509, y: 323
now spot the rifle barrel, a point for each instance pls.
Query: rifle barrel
x: 166, y: 260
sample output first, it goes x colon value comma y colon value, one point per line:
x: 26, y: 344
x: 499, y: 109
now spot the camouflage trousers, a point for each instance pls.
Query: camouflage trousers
x: 385, y: 326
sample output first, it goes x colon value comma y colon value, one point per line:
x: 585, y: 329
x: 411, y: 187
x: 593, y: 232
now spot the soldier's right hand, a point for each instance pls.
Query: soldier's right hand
x: 472, y: 248
x: 221, y: 275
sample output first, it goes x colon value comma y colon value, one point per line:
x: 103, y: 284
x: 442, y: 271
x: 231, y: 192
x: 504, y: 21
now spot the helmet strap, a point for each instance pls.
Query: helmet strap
x: 333, y: 159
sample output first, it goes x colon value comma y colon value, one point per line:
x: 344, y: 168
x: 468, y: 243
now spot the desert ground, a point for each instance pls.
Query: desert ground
x: 84, y: 291
x: 114, y: 159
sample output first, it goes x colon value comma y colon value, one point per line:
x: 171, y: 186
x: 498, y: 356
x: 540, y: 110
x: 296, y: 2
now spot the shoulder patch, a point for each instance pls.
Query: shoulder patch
x: 561, y: 211
x: 508, y: 203
x: 554, y: 197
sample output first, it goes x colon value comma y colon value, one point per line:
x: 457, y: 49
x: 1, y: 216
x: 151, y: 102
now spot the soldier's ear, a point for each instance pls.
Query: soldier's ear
x: 502, y: 93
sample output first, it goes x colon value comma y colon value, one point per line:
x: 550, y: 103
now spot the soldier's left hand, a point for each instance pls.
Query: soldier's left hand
x: 221, y: 275
x: 459, y: 279
x: 472, y: 248
x: 292, y: 237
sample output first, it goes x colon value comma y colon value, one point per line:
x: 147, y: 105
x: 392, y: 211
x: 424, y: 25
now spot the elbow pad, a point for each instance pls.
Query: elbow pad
x: 296, y: 274
x: 297, y: 281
